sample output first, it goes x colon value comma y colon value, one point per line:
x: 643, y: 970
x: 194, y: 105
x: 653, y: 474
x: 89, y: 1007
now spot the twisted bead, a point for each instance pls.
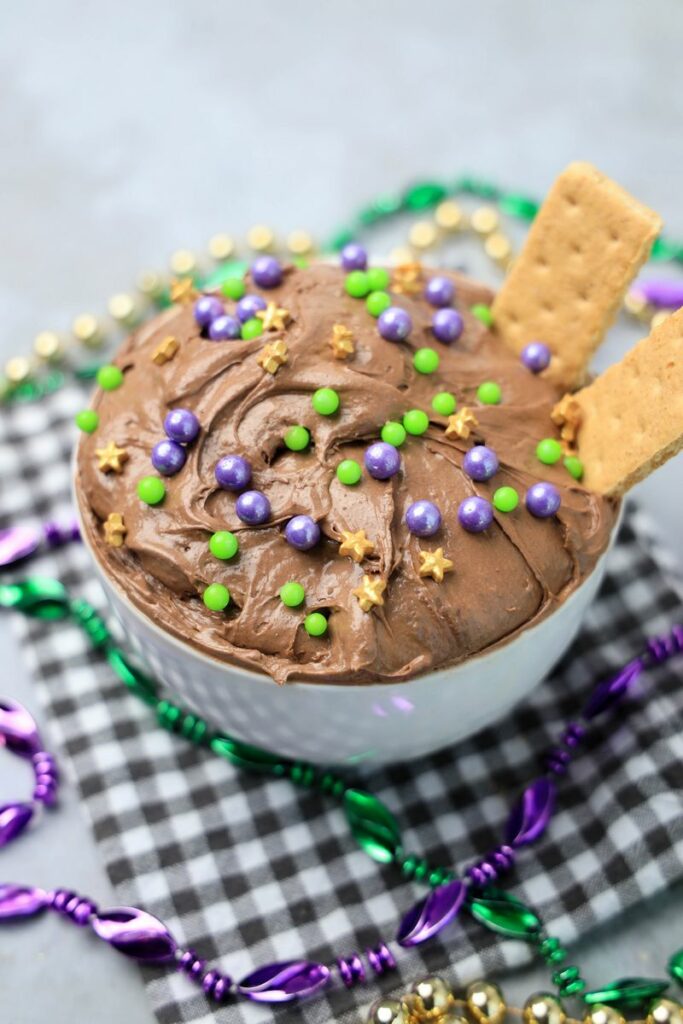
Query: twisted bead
x: 182, y: 723
x: 351, y: 970
x: 215, y: 984
x: 78, y: 908
x: 487, y: 870
x: 46, y: 776
x: 661, y: 648
x: 381, y: 959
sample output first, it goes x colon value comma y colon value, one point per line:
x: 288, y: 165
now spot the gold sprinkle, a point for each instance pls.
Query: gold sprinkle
x: 407, y: 278
x: 114, y: 530
x: 122, y: 309
x: 221, y: 247
x: 369, y: 593
x: 111, y: 458
x: 462, y: 423
x: 87, y: 330
x: 183, y: 263
x: 449, y: 216
x: 341, y: 342
x: 165, y: 350
x: 299, y: 243
x: 485, y: 220
x: 435, y: 564
x: 355, y: 545
x: 47, y: 345
x: 260, y: 238
x: 498, y: 247
x: 423, y: 234
x: 273, y: 356
x: 18, y: 369
x: 273, y: 317
x: 182, y: 291
x: 567, y: 416
x: 659, y: 318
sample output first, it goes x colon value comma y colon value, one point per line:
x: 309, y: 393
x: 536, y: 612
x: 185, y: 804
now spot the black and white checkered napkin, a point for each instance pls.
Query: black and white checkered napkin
x: 249, y: 870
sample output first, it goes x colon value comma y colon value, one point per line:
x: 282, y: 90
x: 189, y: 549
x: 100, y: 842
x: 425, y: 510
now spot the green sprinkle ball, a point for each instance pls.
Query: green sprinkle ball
x: 315, y: 624
x: 325, y: 400
x: 549, y: 451
x: 426, y: 360
x: 378, y: 279
x: 444, y: 403
x: 416, y: 422
x: 224, y: 545
x: 109, y: 378
x: 297, y: 438
x: 251, y: 329
x: 483, y: 313
x: 393, y: 433
x: 292, y: 594
x: 349, y: 472
x: 233, y: 288
x: 505, y: 499
x: 489, y: 393
x: 377, y: 302
x: 216, y: 597
x: 357, y: 284
x: 301, y: 262
x: 574, y: 466
x: 87, y: 420
x: 151, y: 490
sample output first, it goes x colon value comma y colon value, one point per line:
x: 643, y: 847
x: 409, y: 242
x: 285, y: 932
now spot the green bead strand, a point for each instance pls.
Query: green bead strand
x: 302, y: 774
x: 91, y: 622
x: 183, y: 723
x: 568, y: 981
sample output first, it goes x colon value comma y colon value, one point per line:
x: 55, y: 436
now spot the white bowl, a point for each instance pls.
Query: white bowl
x: 379, y: 723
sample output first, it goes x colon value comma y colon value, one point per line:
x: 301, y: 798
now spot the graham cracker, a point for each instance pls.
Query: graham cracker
x: 587, y: 242
x: 630, y: 419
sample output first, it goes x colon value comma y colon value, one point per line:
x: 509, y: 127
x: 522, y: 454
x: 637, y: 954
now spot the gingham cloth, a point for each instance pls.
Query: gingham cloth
x: 248, y: 870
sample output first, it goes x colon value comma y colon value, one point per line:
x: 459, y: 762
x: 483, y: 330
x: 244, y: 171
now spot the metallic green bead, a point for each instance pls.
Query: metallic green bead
x: 374, y: 827
x: 665, y: 1011
x: 485, y: 1002
x: 543, y: 1008
x: 676, y: 966
x: 627, y: 992
x: 505, y: 915
x: 243, y: 755
x: 39, y: 597
x: 519, y: 206
x: 134, y: 678
x: 408, y: 865
x: 424, y: 195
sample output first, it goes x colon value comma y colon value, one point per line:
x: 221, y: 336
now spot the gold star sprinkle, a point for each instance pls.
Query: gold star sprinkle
x: 369, y: 593
x: 273, y: 317
x: 407, y: 278
x: 114, y: 530
x: 434, y: 564
x: 273, y: 356
x: 111, y: 458
x: 341, y: 342
x: 355, y: 545
x: 182, y: 290
x: 165, y: 350
x: 461, y: 424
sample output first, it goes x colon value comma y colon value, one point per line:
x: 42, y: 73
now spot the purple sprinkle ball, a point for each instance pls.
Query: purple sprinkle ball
x: 440, y: 291
x: 302, y: 532
x: 382, y: 460
x: 206, y: 309
x: 249, y: 306
x: 266, y: 272
x: 536, y: 356
x: 475, y: 514
x: 394, y: 324
x: 447, y: 325
x: 224, y: 328
x: 181, y: 425
x: 354, y: 257
x: 423, y: 518
x: 543, y: 500
x: 480, y: 462
x: 253, y: 508
x: 168, y: 457
x: 233, y: 473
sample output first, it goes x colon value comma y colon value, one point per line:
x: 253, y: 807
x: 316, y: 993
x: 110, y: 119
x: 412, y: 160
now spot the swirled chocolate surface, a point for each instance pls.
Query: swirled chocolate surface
x: 503, y: 580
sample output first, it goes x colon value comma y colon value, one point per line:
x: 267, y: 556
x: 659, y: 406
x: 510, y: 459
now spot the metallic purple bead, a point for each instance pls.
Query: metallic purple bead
x: 382, y: 460
x: 13, y: 820
x: 543, y: 500
x: 663, y: 293
x: 168, y: 457
x: 17, y: 542
x: 531, y: 814
x: 266, y: 272
x: 432, y: 914
x: 480, y: 462
x: 394, y: 324
x: 181, y: 425
x: 225, y: 328
x: 610, y: 691
x: 206, y: 309
x: 302, y: 532
x: 536, y: 356
x: 136, y: 934
x: 283, y: 982
x: 354, y: 257
x: 440, y: 291
x: 20, y: 901
x: 18, y: 730
x: 475, y: 514
x: 253, y: 508
x: 423, y: 518
x: 447, y: 325
x: 249, y: 306
x: 233, y: 472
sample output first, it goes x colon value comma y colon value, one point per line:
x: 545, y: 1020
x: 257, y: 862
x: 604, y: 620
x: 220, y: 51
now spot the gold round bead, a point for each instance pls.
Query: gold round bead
x: 221, y: 247
x: 47, y: 345
x: 543, y: 1008
x: 183, y: 263
x: 665, y: 1011
x: 150, y: 284
x: 603, y: 1014
x: 449, y: 216
x: 400, y: 255
x: 485, y: 1002
x: 431, y: 994
x: 497, y: 247
x: 423, y: 234
x: 299, y: 243
x: 87, y: 330
x: 260, y: 238
x: 18, y: 369
x: 659, y: 318
x: 122, y: 308
x: 485, y: 220
x: 386, y: 1011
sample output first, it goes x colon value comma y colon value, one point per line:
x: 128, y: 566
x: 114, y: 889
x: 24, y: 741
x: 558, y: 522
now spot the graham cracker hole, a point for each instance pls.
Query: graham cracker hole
x: 571, y: 200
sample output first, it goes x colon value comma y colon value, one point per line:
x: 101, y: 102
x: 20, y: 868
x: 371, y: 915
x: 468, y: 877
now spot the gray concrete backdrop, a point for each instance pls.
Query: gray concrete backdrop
x: 130, y: 129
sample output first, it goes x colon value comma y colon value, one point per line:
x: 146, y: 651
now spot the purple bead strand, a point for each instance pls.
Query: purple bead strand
x: 78, y: 909
x: 47, y: 778
x: 56, y: 534
x: 487, y: 870
x: 214, y: 983
x: 351, y: 970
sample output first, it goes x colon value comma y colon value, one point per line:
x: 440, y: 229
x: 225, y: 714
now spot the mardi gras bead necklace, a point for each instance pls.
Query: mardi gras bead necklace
x: 373, y: 826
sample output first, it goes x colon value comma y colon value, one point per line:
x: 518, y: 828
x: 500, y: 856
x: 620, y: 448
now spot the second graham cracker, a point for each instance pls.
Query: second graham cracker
x: 587, y: 242
x: 630, y: 419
